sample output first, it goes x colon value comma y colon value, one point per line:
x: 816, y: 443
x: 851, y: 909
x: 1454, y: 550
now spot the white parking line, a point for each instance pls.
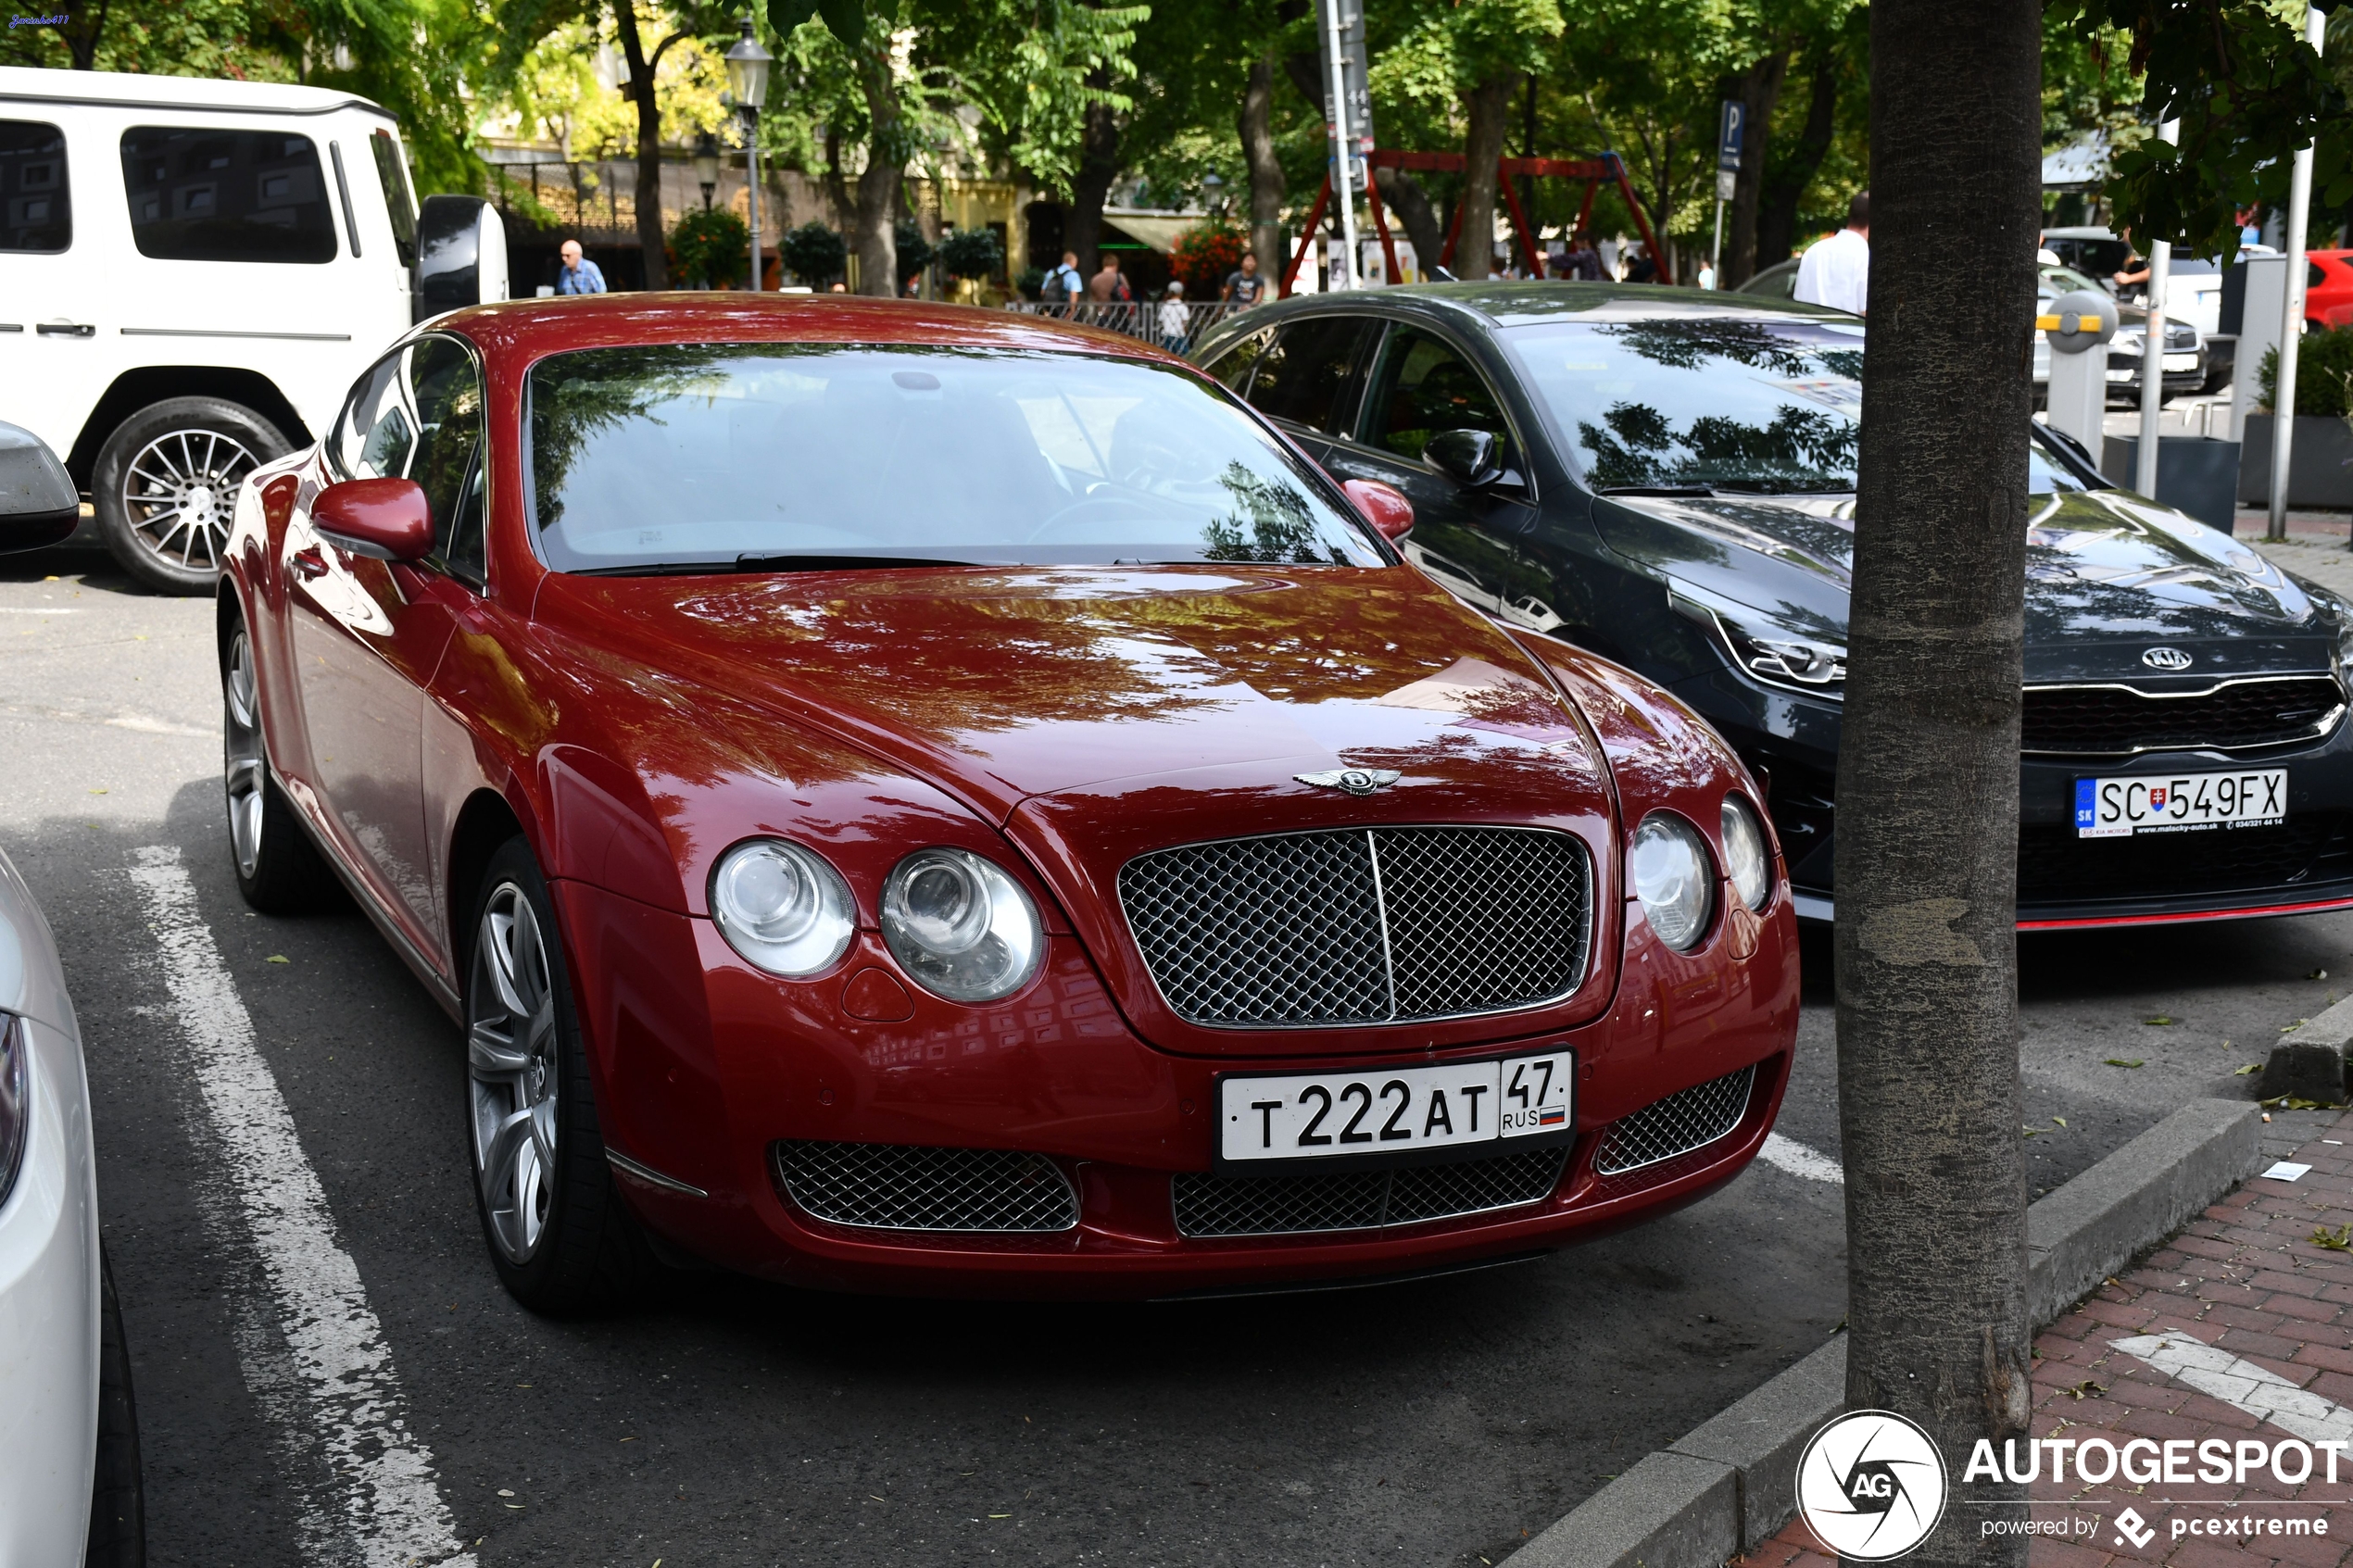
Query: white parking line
x: 391, y: 1513
x: 2234, y: 1380
x: 1788, y: 1154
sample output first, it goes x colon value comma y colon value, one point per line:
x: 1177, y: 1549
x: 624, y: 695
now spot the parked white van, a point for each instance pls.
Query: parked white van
x: 192, y: 273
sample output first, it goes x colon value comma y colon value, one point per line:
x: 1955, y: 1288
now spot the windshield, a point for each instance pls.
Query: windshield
x: 1755, y: 407
x: 716, y: 457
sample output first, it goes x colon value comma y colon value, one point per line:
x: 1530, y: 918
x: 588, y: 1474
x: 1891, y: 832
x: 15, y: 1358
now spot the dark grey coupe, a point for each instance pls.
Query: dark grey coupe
x: 1666, y: 477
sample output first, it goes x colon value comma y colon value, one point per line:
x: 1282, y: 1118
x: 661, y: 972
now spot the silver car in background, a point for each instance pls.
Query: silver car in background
x: 69, y: 1488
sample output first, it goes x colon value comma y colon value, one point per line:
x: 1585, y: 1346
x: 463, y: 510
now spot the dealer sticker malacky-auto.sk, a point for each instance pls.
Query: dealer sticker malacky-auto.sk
x: 2184, y: 803
x: 1393, y: 1110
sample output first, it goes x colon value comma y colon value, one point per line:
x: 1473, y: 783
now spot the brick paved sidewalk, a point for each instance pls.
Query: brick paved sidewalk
x: 2246, y: 1282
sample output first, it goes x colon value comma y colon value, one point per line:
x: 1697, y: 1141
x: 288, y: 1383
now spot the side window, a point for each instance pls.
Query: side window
x: 1424, y: 387
x: 226, y: 196
x: 448, y: 395
x: 374, y: 433
x: 1302, y: 378
x: 1234, y: 366
x: 36, y: 210
x: 398, y: 207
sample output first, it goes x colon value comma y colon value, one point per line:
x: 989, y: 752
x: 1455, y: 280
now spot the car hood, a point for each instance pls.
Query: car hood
x: 2108, y: 575
x: 1001, y: 686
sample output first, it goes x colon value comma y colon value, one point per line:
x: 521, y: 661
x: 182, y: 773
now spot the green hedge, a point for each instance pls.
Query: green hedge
x: 2323, y: 373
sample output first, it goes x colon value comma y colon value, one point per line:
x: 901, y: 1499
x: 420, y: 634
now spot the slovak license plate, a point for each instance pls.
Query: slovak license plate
x: 2186, y: 803
x: 1393, y: 1111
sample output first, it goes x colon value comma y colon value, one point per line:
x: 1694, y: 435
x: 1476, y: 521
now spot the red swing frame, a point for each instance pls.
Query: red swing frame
x: 1592, y: 171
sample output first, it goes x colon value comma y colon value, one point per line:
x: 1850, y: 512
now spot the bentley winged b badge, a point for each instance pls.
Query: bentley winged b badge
x: 1354, y: 781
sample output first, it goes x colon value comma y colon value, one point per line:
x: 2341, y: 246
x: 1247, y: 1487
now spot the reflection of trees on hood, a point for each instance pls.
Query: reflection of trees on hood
x: 1280, y: 529
x: 1802, y: 449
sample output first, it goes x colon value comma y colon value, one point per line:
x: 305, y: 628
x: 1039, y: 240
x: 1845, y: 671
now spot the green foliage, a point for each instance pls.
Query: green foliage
x: 915, y: 251
x: 1204, y: 256
x: 714, y: 246
x: 971, y: 253
x: 2249, y: 92
x: 813, y: 253
x: 2324, y: 374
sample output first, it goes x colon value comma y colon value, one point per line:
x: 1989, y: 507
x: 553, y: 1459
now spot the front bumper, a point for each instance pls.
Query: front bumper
x: 2302, y: 866
x: 49, y: 1318
x: 705, y: 1067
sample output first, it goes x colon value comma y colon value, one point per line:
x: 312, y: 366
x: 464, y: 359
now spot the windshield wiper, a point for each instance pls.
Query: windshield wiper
x: 1654, y: 490
x: 766, y: 563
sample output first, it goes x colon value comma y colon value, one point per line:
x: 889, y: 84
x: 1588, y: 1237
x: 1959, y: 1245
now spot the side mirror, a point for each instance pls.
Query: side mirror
x: 1384, y: 506
x: 386, y: 518
x: 38, y: 504
x: 1471, y: 457
x: 462, y: 255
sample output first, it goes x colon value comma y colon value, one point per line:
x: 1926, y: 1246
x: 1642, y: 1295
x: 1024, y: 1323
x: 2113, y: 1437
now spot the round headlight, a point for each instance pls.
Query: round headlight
x: 1746, y: 861
x: 963, y: 928
x: 1669, y: 871
x: 782, y: 907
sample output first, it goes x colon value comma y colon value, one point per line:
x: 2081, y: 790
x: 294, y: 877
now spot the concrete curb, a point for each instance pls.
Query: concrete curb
x: 1730, y: 1482
x: 2309, y: 1064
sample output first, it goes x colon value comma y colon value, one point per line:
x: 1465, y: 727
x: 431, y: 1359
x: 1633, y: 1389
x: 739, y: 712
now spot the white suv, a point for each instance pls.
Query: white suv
x: 192, y: 274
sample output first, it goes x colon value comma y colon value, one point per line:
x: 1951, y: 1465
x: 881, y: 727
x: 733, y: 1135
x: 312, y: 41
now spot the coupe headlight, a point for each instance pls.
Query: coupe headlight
x: 1804, y: 659
x: 1746, y: 861
x: 963, y: 928
x: 16, y: 1099
x: 782, y: 907
x: 1671, y: 875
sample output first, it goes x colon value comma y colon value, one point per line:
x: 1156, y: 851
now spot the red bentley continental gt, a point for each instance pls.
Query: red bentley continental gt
x: 921, y: 800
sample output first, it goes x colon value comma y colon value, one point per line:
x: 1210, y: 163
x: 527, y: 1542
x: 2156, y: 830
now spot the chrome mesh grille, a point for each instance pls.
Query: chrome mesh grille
x: 897, y: 1188
x: 1680, y: 1122
x: 1209, y: 1204
x: 1365, y: 926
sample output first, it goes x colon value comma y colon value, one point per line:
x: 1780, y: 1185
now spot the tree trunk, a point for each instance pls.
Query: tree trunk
x: 1097, y: 166
x: 1410, y: 205
x: 639, y: 88
x: 82, y: 36
x: 1489, y: 105
x: 1266, y: 184
x: 1785, y: 183
x: 1760, y: 92
x: 1926, y: 942
x: 878, y: 184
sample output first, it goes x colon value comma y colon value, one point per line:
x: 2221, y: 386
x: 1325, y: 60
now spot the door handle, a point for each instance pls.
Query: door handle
x: 309, y: 564
x: 66, y: 329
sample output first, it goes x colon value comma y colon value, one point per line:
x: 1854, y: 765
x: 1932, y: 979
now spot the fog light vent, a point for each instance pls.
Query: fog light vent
x: 1678, y: 1124
x: 900, y: 1187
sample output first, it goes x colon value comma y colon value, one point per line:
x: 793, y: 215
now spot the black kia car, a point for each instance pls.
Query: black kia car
x: 1666, y: 477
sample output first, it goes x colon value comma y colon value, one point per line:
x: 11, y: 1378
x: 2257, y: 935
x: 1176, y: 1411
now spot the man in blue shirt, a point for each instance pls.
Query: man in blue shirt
x: 580, y: 275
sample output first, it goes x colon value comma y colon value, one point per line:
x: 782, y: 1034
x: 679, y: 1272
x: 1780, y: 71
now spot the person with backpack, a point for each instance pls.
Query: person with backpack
x: 1064, y: 286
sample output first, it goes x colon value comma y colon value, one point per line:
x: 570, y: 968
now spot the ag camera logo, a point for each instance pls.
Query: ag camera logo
x: 1872, y: 1485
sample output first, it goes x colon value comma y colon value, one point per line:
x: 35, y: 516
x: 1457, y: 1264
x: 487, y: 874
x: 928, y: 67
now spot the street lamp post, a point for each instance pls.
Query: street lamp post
x: 748, y: 79
x: 707, y: 166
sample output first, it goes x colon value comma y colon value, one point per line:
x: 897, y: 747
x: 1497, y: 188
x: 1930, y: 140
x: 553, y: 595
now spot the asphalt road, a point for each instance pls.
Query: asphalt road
x: 732, y: 1421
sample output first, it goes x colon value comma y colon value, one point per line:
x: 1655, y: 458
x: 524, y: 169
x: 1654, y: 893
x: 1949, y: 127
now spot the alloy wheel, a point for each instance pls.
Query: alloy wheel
x: 180, y: 495
x: 248, y: 773
x: 510, y: 1057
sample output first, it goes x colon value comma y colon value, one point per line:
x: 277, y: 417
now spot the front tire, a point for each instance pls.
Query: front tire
x: 165, y: 487
x: 560, y: 1235
x: 278, y: 870
x: 118, y: 1498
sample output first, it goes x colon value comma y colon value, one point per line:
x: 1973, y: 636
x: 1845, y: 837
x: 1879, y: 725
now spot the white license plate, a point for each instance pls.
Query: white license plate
x: 1393, y: 1110
x: 2184, y: 803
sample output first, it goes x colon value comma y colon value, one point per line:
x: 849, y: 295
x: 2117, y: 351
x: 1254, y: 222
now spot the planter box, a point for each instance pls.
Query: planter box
x: 2319, y: 469
x: 2194, y: 473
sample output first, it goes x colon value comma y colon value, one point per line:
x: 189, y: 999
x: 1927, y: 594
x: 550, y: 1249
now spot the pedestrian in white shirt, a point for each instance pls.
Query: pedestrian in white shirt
x: 1176, y: 322
x: 1837, y: 272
